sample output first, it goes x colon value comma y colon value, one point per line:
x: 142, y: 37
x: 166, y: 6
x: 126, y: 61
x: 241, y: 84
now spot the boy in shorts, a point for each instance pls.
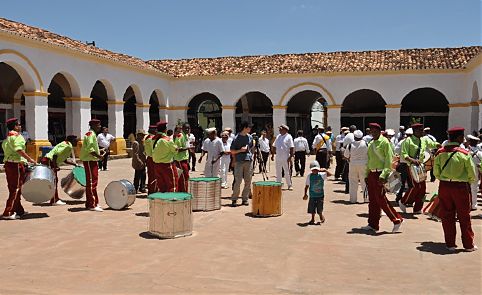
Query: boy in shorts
x: 315, y: 182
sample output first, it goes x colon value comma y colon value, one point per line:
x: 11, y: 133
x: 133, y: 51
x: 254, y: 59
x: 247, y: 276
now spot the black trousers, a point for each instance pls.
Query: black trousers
x: 103, y: 162
x: 402, y: 169
x: 264, y: 158
x: 344, y: 176
x: 192, y: 159
x: 322, y: 158
x: 140, y: 179
x: 339, y: 164
x: 300, y: 162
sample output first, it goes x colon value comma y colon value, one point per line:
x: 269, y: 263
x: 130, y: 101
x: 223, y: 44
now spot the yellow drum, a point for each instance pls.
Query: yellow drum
x: 267, y: 199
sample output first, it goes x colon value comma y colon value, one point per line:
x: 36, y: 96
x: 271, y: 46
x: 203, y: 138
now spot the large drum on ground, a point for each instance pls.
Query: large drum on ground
x: 206, y: 193
x: 74, y: 183
x: 170, y: 215
x: 39, y: 185
x: 120, y: 194
x: 267, y: 199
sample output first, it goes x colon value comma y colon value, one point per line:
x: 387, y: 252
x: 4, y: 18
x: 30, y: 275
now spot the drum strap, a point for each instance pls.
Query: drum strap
x: 446, y: 162
x: 417, y: 154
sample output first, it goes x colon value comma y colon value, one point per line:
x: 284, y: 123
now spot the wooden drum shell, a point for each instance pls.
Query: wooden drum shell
x: 170, y: 219
x: 267, y: 200
x: 206, y: 195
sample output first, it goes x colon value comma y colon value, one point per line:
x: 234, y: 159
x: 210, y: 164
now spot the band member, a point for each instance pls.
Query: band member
x: 58, y: 155
x: 284, y: 148
x: 181, y: 159
x: 213, y: 146
x: 413, y: 151
x: 379, y: 166
x: 476, y: 156
x: 454, y: 168
x: 14, y: 159
x: 90, y: 155
x: 148, y: 142
x: 322, y: 147
x: 163, y: 154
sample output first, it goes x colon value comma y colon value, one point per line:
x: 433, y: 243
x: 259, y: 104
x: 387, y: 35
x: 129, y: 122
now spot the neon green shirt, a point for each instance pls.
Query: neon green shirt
x: 410, y: 146
x: 11, y: 145
x: 62, y: 150
x: 380, y: 155
x: 164, y: 149
x: 181, y: 141
x: 89, y: 145
x: 148, y: 142
x: 460, y: 167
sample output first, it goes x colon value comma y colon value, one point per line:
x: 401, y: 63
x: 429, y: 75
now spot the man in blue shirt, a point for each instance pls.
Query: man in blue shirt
x: 241, y: 148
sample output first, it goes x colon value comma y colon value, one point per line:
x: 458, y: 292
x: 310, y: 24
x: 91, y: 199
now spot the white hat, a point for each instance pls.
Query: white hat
x: 409, y: 131
x: 402, y: 127
x: 358, y: 134
x: 284, y: 127
x: 390, y: 132
x: 470, y: 136
x: 212, y: 129
x: 314, y: 165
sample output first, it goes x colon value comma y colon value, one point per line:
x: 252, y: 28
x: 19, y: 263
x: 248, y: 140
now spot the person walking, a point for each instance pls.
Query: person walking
x: 357, y: 155
x: 225, y: 159
x: 322, y: 146
x: 301, y: 150
x: 242, y: 149
x: 213, y: 146
x: 476, y: 156
x: 265, y: 151
x: 283, y: 148
x: 139, y: 161
x: 104, y: 140
x: 315, y: 183
x: 454, y: 168
x: 339, y: 152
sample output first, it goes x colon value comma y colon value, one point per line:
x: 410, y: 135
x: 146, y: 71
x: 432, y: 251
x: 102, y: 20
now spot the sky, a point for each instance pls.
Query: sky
x: 175, y: 29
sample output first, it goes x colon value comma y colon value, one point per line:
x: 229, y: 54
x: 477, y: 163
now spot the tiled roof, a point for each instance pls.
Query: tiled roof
x: 66, y: 42
x: 332, y: 62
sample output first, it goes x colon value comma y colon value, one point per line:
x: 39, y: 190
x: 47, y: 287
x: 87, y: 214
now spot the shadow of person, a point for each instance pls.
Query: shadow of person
x: 142, y: 214
x: 305, y: 224
x: 477, y: 216
x: 437, y: 248
x: 76, y: 202
x: 366, y: 232
x: 34, y: 216
x: 343, y: 202
x: 77, y: 209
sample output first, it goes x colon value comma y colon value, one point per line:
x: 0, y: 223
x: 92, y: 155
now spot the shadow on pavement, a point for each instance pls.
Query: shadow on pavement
x: 76, y: 202
x: 362, y: 215
x: 437, y: 248
x: 250, y: 214
x: 77, y: 209
x: 142, y: 214
x: 34, y: 216
x: 146, y: 235
x: 305, y: 224
x: 343, y: 202
x: 367, y: 232
x: 340, y: 191
x: 477, y: 216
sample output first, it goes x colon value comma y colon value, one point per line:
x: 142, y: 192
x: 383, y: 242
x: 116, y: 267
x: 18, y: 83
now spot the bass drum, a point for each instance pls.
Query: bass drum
x: 39, y: 185
x: 120, y: 194
x: 417, y: 172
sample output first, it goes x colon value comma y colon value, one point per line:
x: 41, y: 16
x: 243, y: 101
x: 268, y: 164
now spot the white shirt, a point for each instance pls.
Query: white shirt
x: 105, y: 140
x: 214, y: 148
x: 339, y: 141
x: 226, y: 148
x: 367, y: 138
x: 191, y: 139
x: 349, y: 138
x: 301, y: 145
x: 231, y: 138
x: 398, y: 150
x: 264, y: 144
x: 357, y: 152
x: 319, y: 139
x: 283, y: 143
x: 431, y: 137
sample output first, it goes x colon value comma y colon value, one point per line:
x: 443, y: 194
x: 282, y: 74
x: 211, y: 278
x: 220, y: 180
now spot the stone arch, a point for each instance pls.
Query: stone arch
x: 204, y: 111
x: 306, y: 109
x: 257, y: 108
x: 11, y: 91
x: 362, y: 107
x: 59, y: 88
x: 475, y: 112
x: 101, y: 92
x: 154, y: 111
x: 69, y: 82
x: 130, y: 110
x: 293, y: 90
x: 25, y: 69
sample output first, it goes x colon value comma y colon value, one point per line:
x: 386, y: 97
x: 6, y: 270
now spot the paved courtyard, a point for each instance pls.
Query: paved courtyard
x: 67, y: 250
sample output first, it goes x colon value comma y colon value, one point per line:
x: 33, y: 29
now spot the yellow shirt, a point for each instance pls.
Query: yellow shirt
x: 11, y: 145
x: 62, y: 150
x: 460, y: 168
x: 148, y: 142
x: 89, y: 145
x: 380, y: 155
x: 164, y: 149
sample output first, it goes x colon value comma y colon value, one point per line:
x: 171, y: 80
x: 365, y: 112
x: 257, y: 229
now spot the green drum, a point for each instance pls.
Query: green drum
x: 170, y: 215
x: 74, y: 183
x: 206, y: 193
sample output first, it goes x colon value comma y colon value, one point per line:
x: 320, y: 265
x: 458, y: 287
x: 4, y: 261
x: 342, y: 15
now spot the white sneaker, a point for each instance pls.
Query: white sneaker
x: 396, y: 228
x: 472, y: 249
x: 452, y: 249
x: 368, y: 228
x: 59, y: 203
x: 383, y: 213
x: 402, y: 206
x: 290, y: 188
x: 97, y: 209
x: 11, y: 217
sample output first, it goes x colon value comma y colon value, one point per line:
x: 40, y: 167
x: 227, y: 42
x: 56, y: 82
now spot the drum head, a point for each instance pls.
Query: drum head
x: 179, y: 196
x: 426, y: 156
x: 38, y: 190
x: 115, y: 195
x: 267, y: 183
x: 79, y: 175
x: 204, y: 179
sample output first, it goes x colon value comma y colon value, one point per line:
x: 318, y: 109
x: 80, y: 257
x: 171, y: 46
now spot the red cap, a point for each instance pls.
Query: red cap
x: 152, y: 126
x: 94, y: 122
x: 456, y: 129
x: 416, y: 125
x: 375, y: 125
x: 161, y: 123
x: 11, y: 120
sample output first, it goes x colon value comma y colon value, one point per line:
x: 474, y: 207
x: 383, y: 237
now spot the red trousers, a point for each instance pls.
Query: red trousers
x: 166, y: 177
x: 92, y: 178
x: 151, y: 178
x: 455, y: 199
x: 183, y: 183
x: 378, y: 202
x: 46, y: 161
x: 15, y: 173
x: 415, y: 193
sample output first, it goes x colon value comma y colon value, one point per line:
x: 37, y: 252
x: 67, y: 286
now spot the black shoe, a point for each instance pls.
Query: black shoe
x: 233, y: 204
x: 245, y: 203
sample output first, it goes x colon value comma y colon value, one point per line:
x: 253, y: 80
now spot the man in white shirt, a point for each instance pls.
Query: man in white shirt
x: 104, y: 139
x: 265, y: 150
x: 368, y: 137
x: 301, y: 150
x: 476, y: 154
x: 426, y: 133
x: 231, y: 136
x: 349, y: 138
x: 225, y: 159
x: 339, y: 152
x: 192, y: 149
x: 357, y: 155
x: 399, y: 136
x: 213, y: 146
x: 283, y: 147
x: 322, y: 147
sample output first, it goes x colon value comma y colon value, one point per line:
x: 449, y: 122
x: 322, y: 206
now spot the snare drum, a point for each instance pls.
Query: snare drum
x: 74, y: 183
x: 267, y: 198
x: 417, y: 172
x: 428, y: 161
x: 39, y: 185
x: 393, y: 183
x: 206, y: 193
x: 170, y: 215
x: 120, y: 194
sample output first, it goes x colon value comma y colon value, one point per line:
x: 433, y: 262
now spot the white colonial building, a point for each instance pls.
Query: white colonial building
x: 56, y: 85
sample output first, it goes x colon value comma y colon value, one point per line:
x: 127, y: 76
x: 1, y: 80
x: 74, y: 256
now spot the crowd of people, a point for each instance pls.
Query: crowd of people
x: 365, y: 162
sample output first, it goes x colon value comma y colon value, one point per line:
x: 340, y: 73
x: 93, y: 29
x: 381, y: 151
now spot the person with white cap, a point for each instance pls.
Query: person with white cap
x: 322, y: 146
x: 284, y: 148
x: 389, y: 134
x: 339, y: 151
x: 403, y: 164
x: 357, y: 155
x: 315, y: 182
x: 213, y: 146
x: 399, y: 136
x: 476, y: 155
x: 225, y: 159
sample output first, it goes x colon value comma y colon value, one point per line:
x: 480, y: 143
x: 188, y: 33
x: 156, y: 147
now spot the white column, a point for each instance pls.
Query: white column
x: 176, y: 114
x: 36, y: 115
x: 228, y: 118
x: 279, y: 117
x: 17, y: 108
x: 459, y: 115
x: 480, y: 115
x: 142, y: 116
x: 163, y: 114
x: 392, y: 116
x: 116, y: 118
x: 79, y: 116
x: 334, y: 117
